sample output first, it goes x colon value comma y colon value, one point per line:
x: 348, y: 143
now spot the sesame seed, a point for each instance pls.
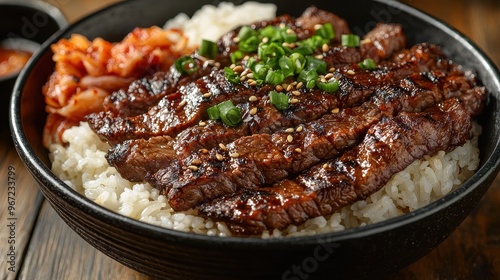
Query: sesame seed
x: 351, y: 72
x: 289, y: 138
x: 222, y: 146
x: 202, y: 123
x: 298, y: 150
x: 317, y: 26
x: 196, y: 162
x: 285, y: 44
x: 253, y: 111
x: 217, y: 64
x: 325, y: 166
x: 282, y: 25
x: 236, y: 39
x: 207, y: 95
x: 234, y: 155
x: 243, y: 78
x: 246, y: 57
x: 331, y: 70
x: 219, y: 157
x: 289, y: 88
x: 323, y: 80
x: 279, y: 88
x: 238, y: 69
x: 284, y: 85
x: 232, y: 66
x: 245, y: 72
x: 290, y: 31
x: 296, y: 93
x: 299, y: 85
x: 265, y: 40
x: 209, y: 62
x: 204, y: 151
x: 250, y: 75
x: 183, y: 103
x: 299, y: 128
x: 289, y: 130
x: 252, y: 98
x: 328, y: 76
x: 325, y: 48
x: 252, y: 82
x: 366, y: 41
x: 319, y: 56
x: 294, y: 83
x: 292, y: 45
x: 193, y: 167
x: 335, y: 111
x: 294, y: 100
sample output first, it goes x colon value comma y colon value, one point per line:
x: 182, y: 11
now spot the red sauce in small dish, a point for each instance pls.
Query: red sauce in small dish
x: 12, y: 61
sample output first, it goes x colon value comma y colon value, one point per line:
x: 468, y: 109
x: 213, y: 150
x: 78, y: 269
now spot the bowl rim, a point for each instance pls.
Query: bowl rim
x: 49, y: 9
x: 42, y: 173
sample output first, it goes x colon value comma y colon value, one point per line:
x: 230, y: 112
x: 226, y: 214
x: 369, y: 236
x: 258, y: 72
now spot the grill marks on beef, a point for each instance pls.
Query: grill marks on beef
x: 311, y: 105
x: 388, y: 147
x: 267, y: 158
x: 154, y: 127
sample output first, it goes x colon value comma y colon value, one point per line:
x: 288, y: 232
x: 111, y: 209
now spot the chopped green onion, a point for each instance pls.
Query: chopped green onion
x: 326, y: 31
x: 279, y: 100
x: 330, y: 86
x: 246, y: 32
x: 260, y: 71
x: 236, y: 56
x: 249, y: 45
x: 275, y: 77
x: 315, y: 42
x: 288, y: 37
x: 308, y: 77
x: 272, y: 50
x: 350, y: 40
x: 231, y: 75
x: 299, y: 62
x: 213, y: 112
x: 315, y: 64
x: 229, y: 114
x: 268, y: 31
x: 367, y: 64
x: 185, y: 65
x: 287, y: 66
x: 304, y: 50
x: 208, y: 49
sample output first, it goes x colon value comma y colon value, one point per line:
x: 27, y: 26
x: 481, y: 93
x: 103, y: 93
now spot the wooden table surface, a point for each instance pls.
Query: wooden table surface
x: 46, y: 248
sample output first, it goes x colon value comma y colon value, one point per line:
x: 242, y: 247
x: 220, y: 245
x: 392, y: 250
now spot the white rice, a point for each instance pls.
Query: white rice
x: 224, y: 17
x: 82, y: 165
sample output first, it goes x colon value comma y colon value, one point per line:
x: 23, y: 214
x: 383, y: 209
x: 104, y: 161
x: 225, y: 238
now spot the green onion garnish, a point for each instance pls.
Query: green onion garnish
x: 367, y: 64
x: 288, y: 37
x: 318, y: 65
x: 308, y: 77
x: 246, y: 32
x: 249, y: 45
x: 275, y: 77
x: 272, y: 50
x: 236, y: 56
x: 208, y: 49
x: 231, y: 75
x: 279, y: 100
x: 326, y: 31
x: 287, y: 66
x: 227, y: 112
x: 299, y: 62
x: 213, y: 112
x: 185, y: 65
x: 260, y: 71
x: 330, y: 86
x: 304, y: 50
x: 350, y: 40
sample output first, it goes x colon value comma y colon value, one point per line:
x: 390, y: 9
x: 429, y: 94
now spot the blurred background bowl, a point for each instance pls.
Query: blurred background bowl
x: 24, y: 26
x: 367, y: 252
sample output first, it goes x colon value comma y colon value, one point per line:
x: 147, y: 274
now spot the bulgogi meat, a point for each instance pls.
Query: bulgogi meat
x: 325, y: 96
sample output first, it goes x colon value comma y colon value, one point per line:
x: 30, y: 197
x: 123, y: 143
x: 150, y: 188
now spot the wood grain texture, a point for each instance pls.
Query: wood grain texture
x: 56, y: 252
x: 27, y: 203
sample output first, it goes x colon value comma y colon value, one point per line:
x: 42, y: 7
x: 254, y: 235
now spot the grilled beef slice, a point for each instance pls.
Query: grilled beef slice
x: 259, y: 159
x: 388, y: 147
x: 311, y: 105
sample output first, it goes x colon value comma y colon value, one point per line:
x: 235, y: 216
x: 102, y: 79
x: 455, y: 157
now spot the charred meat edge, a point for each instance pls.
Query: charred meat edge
x: 388, y: 147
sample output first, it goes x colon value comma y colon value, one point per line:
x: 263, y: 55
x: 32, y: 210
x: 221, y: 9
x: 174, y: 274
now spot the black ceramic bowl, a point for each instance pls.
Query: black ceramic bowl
x: 24, y: 26
x: 370, y: 251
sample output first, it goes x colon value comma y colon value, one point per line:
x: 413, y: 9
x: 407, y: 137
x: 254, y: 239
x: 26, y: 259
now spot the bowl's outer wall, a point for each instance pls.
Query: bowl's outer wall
x: 369, y: 252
